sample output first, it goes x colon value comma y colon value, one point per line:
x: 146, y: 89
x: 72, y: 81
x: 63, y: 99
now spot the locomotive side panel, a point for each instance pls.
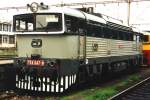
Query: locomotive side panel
x: 101, y: 47
x: 96, y: 47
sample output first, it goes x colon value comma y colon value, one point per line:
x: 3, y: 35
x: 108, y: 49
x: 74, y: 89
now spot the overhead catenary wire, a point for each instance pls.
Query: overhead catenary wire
x: 76, y: 4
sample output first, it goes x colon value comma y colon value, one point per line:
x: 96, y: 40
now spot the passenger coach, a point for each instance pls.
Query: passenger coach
x: 146, y: 48
x: 60, y: 47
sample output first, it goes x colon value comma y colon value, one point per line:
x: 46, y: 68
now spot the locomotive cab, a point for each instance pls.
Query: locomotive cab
x: 48, y: 52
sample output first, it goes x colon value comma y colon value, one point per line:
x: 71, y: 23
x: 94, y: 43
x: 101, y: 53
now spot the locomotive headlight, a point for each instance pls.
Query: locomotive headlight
x: 51, y: 63
x: 17, y: 61
x: 34, y: 7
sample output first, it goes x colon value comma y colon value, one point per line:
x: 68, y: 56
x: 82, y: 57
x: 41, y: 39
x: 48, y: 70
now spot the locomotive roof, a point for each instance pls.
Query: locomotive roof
x: 72, y: 12
x: 146, y: 33
x: 81, y: 14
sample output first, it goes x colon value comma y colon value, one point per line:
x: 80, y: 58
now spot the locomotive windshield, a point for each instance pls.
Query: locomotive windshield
x: 38, y: 22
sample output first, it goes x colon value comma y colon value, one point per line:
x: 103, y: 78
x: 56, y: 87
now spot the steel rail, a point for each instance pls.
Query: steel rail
x: 127, y: 91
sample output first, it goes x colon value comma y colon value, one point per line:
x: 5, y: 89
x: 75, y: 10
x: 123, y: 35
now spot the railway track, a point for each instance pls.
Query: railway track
x: 139, y: 91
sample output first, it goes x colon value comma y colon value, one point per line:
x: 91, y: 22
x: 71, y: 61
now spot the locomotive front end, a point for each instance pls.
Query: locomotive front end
x: 47, y: 58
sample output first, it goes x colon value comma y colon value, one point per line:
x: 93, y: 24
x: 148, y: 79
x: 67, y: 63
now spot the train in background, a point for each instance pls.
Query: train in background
x: 7, y: 40
x: 60, y: 47
x: 146, y: 48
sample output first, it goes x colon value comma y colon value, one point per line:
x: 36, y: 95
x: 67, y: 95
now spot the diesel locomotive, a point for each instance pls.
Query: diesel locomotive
x: 60, y: 47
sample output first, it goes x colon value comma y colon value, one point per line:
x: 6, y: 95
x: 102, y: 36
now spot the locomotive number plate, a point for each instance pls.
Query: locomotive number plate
x: 35, y: 62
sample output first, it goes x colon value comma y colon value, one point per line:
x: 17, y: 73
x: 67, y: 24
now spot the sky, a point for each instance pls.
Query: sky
x: 24, y: 2
x: 139, y: 15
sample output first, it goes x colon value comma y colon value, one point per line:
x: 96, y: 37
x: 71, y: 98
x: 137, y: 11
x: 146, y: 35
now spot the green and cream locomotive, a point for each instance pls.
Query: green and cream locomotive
x: 60, y: 47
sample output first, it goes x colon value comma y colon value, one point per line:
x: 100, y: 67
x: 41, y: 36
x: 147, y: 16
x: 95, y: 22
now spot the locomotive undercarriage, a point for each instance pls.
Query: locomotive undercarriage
x: 96, y: 71
x: 67, y: 74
